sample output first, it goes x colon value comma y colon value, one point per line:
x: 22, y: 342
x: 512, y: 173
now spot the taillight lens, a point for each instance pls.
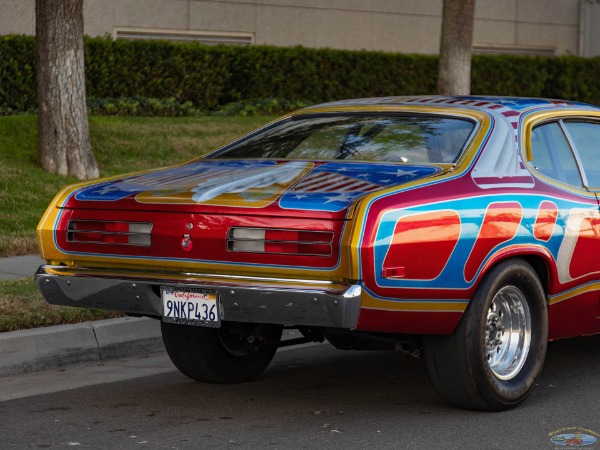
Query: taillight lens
x: 109, y: 232
x: 278, y: 241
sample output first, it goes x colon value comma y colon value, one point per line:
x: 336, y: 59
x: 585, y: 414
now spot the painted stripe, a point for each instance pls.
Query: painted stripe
x: 545, y: 221
x: 500, y: 224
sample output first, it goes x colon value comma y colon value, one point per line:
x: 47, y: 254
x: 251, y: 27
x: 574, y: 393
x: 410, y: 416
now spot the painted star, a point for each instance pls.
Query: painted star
x: 300, y: 196
x: 341, y: 197
x: 405, y: 172
x: 108, y: 189
x: 192, y: 168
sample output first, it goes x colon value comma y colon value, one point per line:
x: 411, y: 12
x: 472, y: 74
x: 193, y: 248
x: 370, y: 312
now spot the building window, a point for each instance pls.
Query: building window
x: 491, y: 49
x: 202, y: 37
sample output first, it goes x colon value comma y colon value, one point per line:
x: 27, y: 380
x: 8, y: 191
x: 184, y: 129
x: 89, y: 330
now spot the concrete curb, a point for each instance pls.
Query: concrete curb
x: 62, y: 345
x: 58, y: 346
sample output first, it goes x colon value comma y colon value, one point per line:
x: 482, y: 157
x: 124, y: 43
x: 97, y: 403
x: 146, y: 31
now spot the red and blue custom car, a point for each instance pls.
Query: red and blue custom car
x: 463, y: 229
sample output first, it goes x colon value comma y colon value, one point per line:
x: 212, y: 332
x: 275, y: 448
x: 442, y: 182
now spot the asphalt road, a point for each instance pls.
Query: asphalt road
x: 311, y: 397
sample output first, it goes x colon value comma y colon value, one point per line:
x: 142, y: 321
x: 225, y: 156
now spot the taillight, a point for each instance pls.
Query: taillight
x: 107, y: 232
x: 277, y: 241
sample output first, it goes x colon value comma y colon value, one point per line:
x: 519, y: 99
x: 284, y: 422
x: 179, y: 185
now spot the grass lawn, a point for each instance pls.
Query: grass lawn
x: 22, y: 307
x: 121, y: 145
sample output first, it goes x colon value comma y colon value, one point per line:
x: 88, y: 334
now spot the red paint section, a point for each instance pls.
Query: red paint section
x: 500, y: 224
x: 209, y: 235
x: 545, y: 221
x: 408, y: 322
x: 574, y: 317
x: 584, y: 260
x: 503, y: 180
x: 422, y: 244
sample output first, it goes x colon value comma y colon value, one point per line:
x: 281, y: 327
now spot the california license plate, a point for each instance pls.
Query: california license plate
x: 190, y: 307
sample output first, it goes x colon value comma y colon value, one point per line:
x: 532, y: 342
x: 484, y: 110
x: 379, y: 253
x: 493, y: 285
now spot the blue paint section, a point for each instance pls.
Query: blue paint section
x: 106, y: 192
x: 329, y: 187
x: 472, y: 212
x: 170, y: 181
x: 516, y: 103
x: 335, y: 186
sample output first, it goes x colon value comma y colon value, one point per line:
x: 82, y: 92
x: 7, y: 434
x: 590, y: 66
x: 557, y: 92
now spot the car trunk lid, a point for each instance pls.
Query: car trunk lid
x: 252, y: 187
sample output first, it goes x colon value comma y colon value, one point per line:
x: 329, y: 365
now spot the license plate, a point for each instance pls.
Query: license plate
x: 190, y: 307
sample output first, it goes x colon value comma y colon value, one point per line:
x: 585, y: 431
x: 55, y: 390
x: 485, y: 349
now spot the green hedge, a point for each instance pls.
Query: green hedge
x: 156, y: 69
x: 523, y: 76
x: 209, y: 77
x: 320, y: 75
x: 17, y: 74
x: 170, y: 107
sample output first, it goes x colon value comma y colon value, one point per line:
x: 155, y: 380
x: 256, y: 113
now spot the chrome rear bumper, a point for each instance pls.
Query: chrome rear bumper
x: 243, y: 299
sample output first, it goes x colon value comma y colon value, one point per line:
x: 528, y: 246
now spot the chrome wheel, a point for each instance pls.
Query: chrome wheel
x: 494, y: 357
x: 507, y: 333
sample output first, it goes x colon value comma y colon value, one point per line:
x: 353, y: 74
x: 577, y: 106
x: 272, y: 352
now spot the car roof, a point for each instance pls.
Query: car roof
x: 505, y: 140
x: 510, y: 105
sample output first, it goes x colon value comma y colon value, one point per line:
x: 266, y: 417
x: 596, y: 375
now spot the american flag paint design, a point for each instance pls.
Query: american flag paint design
x: 333, y: 182
x: 330, y: 187
x: 178, y: 179
x: 334, y: 186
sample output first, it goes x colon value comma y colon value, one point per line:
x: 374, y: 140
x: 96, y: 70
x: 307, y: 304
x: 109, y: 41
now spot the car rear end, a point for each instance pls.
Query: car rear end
x: 261, y: 231
x: 270, y: 266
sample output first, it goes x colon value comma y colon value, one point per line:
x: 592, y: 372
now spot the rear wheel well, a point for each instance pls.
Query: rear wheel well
x: 541, y: 269
x: 538, y: 264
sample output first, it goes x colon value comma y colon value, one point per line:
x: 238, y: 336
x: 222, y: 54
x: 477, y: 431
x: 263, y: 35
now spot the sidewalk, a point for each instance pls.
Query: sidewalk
x: 58, y: 346
x: 19, y: 266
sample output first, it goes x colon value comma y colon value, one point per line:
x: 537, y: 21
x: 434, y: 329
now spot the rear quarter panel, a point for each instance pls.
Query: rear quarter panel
x: 424, y: 250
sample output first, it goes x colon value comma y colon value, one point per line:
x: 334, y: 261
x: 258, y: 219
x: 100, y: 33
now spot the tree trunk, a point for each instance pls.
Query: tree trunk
x: 454, y: 72
x: 63, y: 133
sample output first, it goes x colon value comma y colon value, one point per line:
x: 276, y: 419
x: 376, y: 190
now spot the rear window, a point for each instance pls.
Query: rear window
x: 394, y: 138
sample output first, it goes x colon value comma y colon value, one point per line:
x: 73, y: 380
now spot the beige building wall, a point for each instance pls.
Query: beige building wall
x: 528, y: 26
x: 18, y: 17
x: 407, y: 26
x: 591, y: 29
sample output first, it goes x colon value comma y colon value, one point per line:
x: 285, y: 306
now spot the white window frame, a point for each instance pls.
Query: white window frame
x: 203, y: 37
